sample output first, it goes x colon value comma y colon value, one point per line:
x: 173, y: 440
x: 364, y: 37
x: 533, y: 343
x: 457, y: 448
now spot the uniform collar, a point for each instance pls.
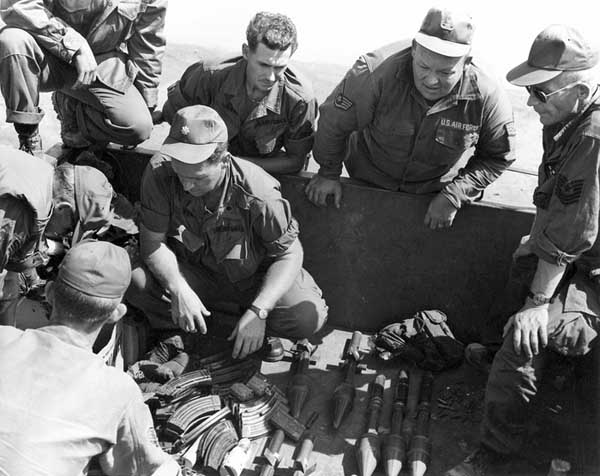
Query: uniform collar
x: 235, y: 86
x: 66, y: 335
x: 570, y: 124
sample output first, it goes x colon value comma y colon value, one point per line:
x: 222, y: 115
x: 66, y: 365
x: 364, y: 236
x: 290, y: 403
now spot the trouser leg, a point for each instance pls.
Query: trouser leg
x: 514, y: 379
x: 24, y: 67
x: 299, y: 313
x: 106, y: 115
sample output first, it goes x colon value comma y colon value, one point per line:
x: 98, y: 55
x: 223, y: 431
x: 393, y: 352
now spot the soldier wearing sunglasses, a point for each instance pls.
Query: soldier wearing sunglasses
x: 560, y: 309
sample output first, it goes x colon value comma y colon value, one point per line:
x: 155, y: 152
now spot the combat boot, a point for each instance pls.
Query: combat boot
x: 71, y: 136
x: 30, y: 140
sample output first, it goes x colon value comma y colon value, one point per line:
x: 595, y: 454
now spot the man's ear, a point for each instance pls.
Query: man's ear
x: 583, y: 91
x: 245, y: 49
x: 117, y: 314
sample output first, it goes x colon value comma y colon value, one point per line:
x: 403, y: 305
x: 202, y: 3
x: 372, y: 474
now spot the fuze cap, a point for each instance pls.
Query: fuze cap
x: 556, y: 49
x: 93, y: 197
x: 96, y: 268
x: 446, y: 33
x: 195, y: 133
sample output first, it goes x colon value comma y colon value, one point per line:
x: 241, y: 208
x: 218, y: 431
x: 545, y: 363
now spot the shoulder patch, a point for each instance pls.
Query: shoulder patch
x: 342, y: 102
x: 568, y: 191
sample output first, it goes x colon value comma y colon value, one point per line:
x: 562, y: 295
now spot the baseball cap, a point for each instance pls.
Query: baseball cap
x: 446, y: 33
x: 195, y: 133
x: 93, y: 196
x: 96, y: 268
x: 556, y: 49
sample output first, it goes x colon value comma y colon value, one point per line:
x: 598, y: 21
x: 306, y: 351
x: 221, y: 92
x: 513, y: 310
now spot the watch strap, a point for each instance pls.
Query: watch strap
x: 261, y: 313
x: 539, y: 298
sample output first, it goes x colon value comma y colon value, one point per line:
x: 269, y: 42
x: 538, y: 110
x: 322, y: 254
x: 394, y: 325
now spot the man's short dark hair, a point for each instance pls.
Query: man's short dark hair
x: 74, y: 306
x: 274, y: 30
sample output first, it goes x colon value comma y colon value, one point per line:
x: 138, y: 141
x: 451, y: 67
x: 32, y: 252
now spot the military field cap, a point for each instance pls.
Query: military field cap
x: 93, y: 196
x: 556, y: 49
x: 195, y: 133
x: 446, y: 33
x: 96, y: 268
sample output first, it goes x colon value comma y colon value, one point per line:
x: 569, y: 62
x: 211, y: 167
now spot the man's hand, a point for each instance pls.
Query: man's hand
x: 249, y: 334
x: 157, y: 116
x: 319, y: 188
x: 440, y: 213
x: 530, y: 332
x: 187, y: 310
x: 85, y: 63
x: 524, y: 248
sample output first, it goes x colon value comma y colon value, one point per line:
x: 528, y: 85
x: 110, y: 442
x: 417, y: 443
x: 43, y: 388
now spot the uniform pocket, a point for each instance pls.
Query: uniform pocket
x: 455, y: 139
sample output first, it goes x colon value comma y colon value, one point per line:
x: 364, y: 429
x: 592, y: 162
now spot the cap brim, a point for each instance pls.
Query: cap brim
x: 526, y: 75
x: 442, y: 47
x: 188, y: 153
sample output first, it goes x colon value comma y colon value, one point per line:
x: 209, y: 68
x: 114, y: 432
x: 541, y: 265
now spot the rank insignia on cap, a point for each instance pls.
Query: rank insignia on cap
x: 342, y: 102
x: 185, y: 130
x: 568, y: 191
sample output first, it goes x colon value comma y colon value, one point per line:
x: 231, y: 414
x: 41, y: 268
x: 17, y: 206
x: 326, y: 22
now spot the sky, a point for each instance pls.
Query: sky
x: 336, y: 31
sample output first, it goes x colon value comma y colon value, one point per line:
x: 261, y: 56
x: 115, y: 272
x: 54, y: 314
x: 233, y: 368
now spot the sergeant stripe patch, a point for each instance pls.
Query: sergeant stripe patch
x: 568, y: 191
x: 342, y: 102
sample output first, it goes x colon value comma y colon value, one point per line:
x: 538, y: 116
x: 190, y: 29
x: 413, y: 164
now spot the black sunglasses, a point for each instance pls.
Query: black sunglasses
x: 543, y: 96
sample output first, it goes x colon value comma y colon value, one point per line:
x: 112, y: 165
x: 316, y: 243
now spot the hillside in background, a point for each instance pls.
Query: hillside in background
x: 324, y: 76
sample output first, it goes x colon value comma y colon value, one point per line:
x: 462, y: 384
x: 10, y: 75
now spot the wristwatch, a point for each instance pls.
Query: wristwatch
x: 538, y: 298
x: 261, y: 313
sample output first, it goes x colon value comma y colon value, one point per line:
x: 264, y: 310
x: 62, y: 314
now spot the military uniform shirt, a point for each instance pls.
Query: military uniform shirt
x: 61, y: 405
x: 402, y: 143
x: 284, y: 118
x: 567, y: 202
x: 252, y: 223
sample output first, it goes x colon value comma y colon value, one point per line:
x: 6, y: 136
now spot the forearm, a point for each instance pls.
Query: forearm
x: 475, y: 177
x: 280, y: 276
x: 162, y: 263
x: 282, y: 163
x: 547, y: 278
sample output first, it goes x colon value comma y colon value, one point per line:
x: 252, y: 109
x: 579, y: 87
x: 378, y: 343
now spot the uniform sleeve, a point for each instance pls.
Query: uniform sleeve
x: 274, y: 224
x: 494, y: 152
x: 348, y: 108
x: 146, y: 49
x: 299, y: 139
x: 568, y: 225
x: 154, y: 199
x: 49, y: 31
x: 136, y: 450
x: 192, y: 88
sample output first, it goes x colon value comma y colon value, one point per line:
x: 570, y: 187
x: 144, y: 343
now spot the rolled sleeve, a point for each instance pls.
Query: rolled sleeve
x: 348, y: 108
x: 568, y: 226
x: 300, y: 137
x: 494, y: 151
x: 51, y: 32
x: 275, y: 225
x: 155, y: 198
